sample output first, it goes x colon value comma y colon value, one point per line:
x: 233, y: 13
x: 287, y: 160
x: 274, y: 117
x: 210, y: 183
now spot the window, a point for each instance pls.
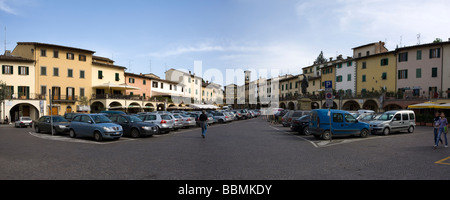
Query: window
x: 56, y: 93
x: 338, y: 78
x: 418, y: 73
x: 23, y: 70
x: 24, y: 92
x: 70, y: 93
x: 359, y: 55
x: 55, y: 54
x: 70, y: 73
x: 43, y: 53
x: 144, y: 82
x: 397, y: 117
x: 434, y: 72
x: 349, y: 64
x: 175, y: 88
x: 130, y: 80
x: 155, y: 84
x: 384, y: 76
x: 419, y: 55
x: 7, y: 69
x: 403, y: 74
x: 118, y: 78
x: 81, y: 73
x: 70, y: 56
x: 363, y: 78
x: 55, y: 71
x: 100, y: 74
x: 349, y: 118
x: 82, y: 57
x: 339, y: 65
x: 170, y: 87
x: 43, y: 71
x: 405, y: 116
x: 364, y: 65
x: 349, y: 77
x: 196, y: 81
x: 403, y: 57
x: 367, y: 53
x: 435, y: 53
x: 82, y: 92
x: 290, y: 85
x: 282, y: 87
x: 384, y: 61
x: 337, y: 117
x: 43, y: 90
x: 162, y: 85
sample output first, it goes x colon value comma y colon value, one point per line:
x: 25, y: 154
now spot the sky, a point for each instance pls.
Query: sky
x: 152, y: 36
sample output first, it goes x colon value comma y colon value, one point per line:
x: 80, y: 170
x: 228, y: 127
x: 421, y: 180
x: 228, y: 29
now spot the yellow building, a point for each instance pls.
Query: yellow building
x: 375, y: 72
x: 328, y: 74
x: 65, y: 71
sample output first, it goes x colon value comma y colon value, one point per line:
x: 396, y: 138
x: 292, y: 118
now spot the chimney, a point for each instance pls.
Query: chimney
x: 7, y: 52
x: 331, y: 59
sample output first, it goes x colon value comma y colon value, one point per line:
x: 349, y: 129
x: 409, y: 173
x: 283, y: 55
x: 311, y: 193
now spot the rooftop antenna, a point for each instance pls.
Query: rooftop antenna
x: 401, y: 38
x: 418, y: 38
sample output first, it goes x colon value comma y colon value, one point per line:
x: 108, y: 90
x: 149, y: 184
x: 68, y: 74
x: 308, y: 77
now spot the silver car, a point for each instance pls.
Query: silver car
x: 188, y: 121
x: 165, y: 122
x: 220, y: 117
x: 394, y: 121
x: 23, y: 122
x: 178, y: 121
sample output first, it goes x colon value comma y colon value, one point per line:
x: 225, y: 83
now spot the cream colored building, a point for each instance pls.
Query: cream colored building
x: 21, y: 98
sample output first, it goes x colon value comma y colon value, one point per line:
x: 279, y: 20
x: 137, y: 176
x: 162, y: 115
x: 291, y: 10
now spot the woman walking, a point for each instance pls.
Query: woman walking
x: 436, y: 127
x: 443, y: 124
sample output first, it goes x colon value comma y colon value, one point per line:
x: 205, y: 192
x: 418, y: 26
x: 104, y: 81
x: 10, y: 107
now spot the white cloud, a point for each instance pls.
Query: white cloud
x: 6, y: 8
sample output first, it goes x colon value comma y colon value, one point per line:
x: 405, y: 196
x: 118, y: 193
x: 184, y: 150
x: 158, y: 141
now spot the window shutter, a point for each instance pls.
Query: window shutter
x: 12, y: 70
x: 27, y: 70
x: 28, y: 91
x: 438, y: 52
x: 3, y: 69
x: 431, y: 53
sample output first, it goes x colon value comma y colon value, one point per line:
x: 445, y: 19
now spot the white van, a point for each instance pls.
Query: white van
x: 394, y: 121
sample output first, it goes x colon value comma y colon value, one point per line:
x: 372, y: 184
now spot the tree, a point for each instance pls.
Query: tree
x: 437, y: 40
x: 3, y: 90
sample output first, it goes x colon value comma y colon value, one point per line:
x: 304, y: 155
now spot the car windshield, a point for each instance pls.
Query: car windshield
x: 59, y: 119
x: 134, y: 119
x: 26, y: 118
x: 100, y: 119
x: 386, y: 117
x: 304, y: 117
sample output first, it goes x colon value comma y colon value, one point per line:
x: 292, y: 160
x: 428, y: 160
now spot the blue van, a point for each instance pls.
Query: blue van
x: 342, y: 122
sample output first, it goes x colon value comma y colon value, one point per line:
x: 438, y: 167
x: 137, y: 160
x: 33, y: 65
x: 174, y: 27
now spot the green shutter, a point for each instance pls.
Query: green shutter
x: 439, y: 52
x: 28, y: 90
x: 27, y: 70
x: 3, y: 69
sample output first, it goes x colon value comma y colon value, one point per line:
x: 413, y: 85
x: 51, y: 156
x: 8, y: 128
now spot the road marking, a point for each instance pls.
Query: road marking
x: 76, y: 140
x: 305, y: 139
x: 443, y: 161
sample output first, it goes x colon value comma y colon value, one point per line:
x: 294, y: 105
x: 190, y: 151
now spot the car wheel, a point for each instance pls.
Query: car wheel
x: 98, y: 136
x: 306, y: 131
x: 221, y: 121
x: 326, y: 135
x: 410, y: 129
x: 36, y: 129
x: 134, y: 133
x: 72, y: 133
x: 364, y: 133
x: 386, y: 131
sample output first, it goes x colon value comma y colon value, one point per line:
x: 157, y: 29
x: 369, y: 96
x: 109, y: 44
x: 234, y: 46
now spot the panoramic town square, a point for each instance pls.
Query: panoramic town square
x: 235, y: 90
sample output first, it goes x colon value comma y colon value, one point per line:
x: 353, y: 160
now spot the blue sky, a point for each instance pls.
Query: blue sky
x: 248, y: 34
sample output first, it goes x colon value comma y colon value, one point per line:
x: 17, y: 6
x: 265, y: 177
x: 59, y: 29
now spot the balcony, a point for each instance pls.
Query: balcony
x: 64, y: 99
x: 25, y: 96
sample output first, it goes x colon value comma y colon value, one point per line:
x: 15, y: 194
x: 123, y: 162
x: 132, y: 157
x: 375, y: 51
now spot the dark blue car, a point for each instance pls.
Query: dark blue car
x: 97, y: 126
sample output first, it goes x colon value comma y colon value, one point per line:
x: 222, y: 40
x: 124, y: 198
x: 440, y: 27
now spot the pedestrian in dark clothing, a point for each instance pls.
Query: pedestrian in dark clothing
x: 203, y: 123
x: 436, y: 127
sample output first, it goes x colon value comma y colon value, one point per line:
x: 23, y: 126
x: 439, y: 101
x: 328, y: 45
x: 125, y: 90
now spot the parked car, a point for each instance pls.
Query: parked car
x: 292, y: 114
x: 188, y: 121
x: 342, y: 123
x: 301, y: 125
x: 109, y: 113
x: 238, y: 114
x: 178, y: 122
x: 220, y: 117
x: 164, y: 122
x: 24, y: 122
x: 210, y: 119
x: 394, y: 121
x: 44, y: 124
x: 69, y: 116
x: 133, y: 126
x: 97, y: 126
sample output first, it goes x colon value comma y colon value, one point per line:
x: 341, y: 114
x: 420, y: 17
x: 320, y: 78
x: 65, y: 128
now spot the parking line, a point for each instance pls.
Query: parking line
x: 443, y: 161
x: 313, y: 143
x: 75, y: 140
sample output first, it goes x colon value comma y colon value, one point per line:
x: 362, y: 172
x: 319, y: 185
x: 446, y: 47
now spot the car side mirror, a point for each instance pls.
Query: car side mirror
x: 90, y: 122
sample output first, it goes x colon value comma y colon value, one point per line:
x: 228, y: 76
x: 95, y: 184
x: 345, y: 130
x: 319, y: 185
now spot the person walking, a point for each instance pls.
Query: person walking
x: 443, y: 127
x: 203, y: 123
x: 436, y: 127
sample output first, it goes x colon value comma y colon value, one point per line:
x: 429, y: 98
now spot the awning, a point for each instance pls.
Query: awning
x: 116, y: 86
x: 443, y: 106
x: 203, y: 106
x: 426, y: 105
